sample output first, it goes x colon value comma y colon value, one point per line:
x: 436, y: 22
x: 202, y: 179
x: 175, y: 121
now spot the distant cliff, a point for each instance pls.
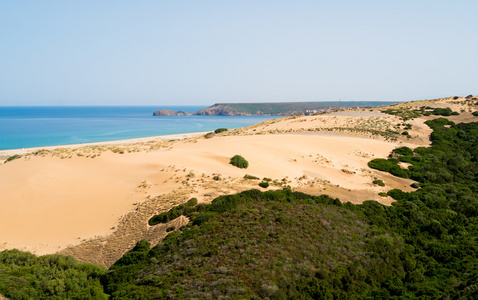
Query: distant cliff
x: 219, y: 110
x: 272, y: 108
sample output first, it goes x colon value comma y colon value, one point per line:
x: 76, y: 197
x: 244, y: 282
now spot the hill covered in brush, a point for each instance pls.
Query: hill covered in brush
x: 273, y: 108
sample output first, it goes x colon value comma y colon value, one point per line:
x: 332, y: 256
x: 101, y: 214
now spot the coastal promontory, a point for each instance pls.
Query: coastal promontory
x: 168, y: 112
x: 272, y: 108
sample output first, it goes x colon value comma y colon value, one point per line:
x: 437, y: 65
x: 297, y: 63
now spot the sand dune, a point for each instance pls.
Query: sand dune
x: 53, y: 203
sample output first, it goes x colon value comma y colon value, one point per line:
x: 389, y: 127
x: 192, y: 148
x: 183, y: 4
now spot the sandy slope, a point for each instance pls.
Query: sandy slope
x: 93, y: 205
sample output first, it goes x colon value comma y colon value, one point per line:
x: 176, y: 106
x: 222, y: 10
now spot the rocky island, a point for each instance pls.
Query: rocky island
x: 168, y: 112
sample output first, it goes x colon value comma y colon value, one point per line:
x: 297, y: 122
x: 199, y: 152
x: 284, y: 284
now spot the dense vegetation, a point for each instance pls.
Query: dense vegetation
x: 239, y: 161
x: 280, y: 244
x: 26, y: 276
x: 287, y: 108
x: 289, y: 245
x: 173, y: 213
x: 407, y: 114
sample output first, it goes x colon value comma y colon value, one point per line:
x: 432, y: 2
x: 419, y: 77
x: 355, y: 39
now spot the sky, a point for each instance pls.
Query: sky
x: 204, y: 52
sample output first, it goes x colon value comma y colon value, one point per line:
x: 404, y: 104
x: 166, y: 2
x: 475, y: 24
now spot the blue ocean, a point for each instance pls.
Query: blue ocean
x: 25, y: 127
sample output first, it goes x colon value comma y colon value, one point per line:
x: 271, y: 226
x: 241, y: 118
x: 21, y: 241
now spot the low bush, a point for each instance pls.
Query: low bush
x: 239, y: 161
x: 250, y: 177
x: 173, y: 213
x: 442, y: 111
x: 405, y: 151
x: 264, y: 184
x: 475, y: 113
x: 209, y: 135
x: 13, y: 157
x: 379, y: 182
x: 389, y: 165
x: 219, y: 130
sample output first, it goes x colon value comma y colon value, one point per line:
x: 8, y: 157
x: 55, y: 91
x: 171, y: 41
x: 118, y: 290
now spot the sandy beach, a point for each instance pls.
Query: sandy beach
x: 89, y: 200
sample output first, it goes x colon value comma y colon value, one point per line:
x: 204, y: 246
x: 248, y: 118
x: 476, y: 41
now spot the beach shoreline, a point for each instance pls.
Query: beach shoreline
x: 4, y: 154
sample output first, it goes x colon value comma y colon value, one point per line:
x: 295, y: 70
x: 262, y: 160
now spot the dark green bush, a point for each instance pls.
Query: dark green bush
x: 475, y: 113
x: 403, y: 151
x: 378, y: 182
x: 389, y: 165
x: 239, y: 161
x: 16, y: 156
x: 209, y: 135
x: 442, y: 111
x: 264, y: 184
x: 174, y: 212
x: 250, y: 177
x: 219, y: 130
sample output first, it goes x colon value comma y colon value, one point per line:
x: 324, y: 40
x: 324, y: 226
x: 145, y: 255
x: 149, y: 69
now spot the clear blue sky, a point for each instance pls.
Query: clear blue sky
x: 202, y: 52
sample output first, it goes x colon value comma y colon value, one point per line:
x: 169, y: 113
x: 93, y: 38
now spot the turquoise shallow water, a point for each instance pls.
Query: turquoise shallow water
x: 24, y: 127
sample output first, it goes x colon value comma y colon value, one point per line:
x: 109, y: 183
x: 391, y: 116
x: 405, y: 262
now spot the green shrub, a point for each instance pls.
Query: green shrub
x: 169, y: 229
x: 442, y: 111
x: 405, y: 133
x: 264, y: 184
x: 475, y: 113
x: 382, y: 194
x: 219, y: 130
x: 379, y: 182
x: 16, y: 156
x: 173, y: 213
x: 209, y: 135
x: 405, y: 151
x: 389, y: 165
x: 247, y: 176
x: 239, y: 161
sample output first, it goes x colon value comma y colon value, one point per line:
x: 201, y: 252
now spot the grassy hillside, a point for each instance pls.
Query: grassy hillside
x: 287, y: 108
x: 289, y: 245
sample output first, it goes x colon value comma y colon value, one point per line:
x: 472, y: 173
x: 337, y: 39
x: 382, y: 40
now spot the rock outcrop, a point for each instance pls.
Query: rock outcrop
x: 168, y: 112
